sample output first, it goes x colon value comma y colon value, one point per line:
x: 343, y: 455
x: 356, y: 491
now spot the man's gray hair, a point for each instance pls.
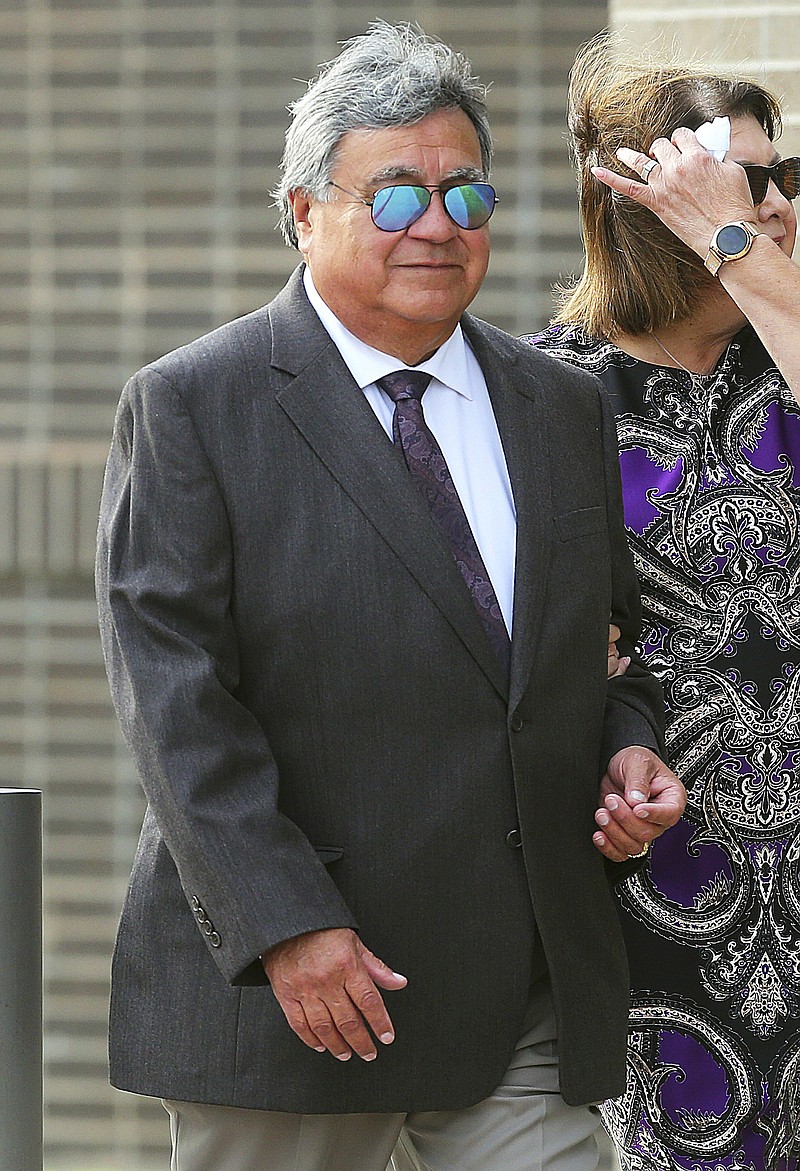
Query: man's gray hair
x: 392, y: 75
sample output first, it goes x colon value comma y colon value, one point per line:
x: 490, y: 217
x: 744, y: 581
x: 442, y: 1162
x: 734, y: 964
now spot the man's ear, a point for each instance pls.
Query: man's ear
x: 300, y: 202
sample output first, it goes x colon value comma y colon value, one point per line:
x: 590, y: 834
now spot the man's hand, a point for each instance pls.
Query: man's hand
x: 639, y: 798
x: 325, y: 982
x: 616, y: 665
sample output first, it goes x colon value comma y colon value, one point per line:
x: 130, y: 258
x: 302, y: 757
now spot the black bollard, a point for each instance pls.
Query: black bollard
x: 21, y: 979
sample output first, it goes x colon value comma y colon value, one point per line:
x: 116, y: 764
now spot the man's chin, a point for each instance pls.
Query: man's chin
x: 426, y: 305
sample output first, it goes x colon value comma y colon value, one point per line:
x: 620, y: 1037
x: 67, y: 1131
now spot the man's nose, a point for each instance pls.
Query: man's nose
x: 434, y: 223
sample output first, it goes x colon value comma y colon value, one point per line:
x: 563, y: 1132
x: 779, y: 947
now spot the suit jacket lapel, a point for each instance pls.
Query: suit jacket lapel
x: 330, y: 411
x: 520, y: 419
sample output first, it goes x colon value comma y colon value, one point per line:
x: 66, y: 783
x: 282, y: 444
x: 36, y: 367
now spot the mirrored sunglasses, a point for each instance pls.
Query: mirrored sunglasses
x: 785, y: 175
x: 393, y: 209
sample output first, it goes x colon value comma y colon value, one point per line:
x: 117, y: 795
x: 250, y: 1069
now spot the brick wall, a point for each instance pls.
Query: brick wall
x: 756, y: 38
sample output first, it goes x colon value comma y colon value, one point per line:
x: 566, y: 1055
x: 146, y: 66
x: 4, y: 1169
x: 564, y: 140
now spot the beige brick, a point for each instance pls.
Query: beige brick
x: 782, y: 33
x: 785, y: 82
x: 759, y: 40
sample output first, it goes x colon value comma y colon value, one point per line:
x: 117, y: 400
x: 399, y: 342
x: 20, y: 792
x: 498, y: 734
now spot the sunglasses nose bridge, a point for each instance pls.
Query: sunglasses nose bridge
x: 438, y: 221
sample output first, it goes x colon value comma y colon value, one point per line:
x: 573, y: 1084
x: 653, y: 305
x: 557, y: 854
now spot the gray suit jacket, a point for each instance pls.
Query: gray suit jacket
x: 326, y: 739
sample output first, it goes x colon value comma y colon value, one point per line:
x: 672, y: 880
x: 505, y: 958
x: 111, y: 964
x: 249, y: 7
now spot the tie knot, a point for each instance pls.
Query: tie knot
x: 404, y: 384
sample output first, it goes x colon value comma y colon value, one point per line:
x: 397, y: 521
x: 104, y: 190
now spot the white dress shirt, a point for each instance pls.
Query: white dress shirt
x: 458, y: 411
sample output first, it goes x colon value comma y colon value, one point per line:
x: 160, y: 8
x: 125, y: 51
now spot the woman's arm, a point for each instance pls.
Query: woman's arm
x: 765, y: 285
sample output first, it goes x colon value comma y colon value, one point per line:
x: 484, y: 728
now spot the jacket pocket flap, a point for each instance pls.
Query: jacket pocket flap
x: 328, y: 854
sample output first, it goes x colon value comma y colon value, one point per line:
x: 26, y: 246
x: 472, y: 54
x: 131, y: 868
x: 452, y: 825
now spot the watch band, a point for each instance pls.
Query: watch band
x: 730, y: 242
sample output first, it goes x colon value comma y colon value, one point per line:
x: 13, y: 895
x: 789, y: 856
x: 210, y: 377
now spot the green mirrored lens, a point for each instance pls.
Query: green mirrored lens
x: 470, y: 205
x: 396, y: 208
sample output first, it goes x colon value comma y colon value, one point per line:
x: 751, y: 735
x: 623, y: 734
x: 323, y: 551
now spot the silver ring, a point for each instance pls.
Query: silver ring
x: 646, y: 169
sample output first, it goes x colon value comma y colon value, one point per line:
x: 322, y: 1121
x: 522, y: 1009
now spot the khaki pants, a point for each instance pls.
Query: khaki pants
x: 525, y: 1125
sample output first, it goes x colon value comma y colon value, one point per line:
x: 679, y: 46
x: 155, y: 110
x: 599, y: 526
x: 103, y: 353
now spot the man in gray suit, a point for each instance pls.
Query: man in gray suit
x: 371, y: 895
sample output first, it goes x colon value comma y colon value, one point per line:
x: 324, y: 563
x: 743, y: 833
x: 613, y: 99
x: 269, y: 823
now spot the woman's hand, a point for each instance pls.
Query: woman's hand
x: 688, y: 189
x: 693, y: 194
x: 616, y: 665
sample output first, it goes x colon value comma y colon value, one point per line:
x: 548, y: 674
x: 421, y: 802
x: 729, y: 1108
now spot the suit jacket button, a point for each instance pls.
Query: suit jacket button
x: 208, y: 927
x: 196, y: 904
x: 514, y: 839
x: 517, y: 722
x: 214, y: 939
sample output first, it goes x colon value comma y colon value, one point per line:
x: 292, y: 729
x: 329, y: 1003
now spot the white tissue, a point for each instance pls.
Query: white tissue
x: 715, y: 137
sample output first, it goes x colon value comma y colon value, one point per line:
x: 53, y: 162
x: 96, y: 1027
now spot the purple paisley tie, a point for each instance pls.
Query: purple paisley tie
x: 430, y: 473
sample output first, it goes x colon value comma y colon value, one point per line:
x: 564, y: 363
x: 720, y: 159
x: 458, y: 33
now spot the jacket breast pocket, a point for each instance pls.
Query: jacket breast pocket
x: 581, y: 522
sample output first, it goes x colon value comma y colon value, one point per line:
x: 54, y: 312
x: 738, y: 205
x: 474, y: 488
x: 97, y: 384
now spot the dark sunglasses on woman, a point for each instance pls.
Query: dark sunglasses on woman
x: 785, y: 175
x: 393, y: 209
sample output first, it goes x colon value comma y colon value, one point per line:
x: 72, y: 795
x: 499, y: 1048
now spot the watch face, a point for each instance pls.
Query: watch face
x: 732, y: 239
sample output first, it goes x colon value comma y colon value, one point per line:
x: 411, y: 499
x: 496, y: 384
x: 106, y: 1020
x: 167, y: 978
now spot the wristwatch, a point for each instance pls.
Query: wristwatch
x: 730, y: 242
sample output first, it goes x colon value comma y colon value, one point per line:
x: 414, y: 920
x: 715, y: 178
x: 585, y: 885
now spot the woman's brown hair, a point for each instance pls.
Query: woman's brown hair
x: 637, y: 275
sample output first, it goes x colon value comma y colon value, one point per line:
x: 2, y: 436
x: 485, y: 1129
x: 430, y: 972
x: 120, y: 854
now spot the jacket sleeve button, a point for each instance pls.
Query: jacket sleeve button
x: 214, y: 939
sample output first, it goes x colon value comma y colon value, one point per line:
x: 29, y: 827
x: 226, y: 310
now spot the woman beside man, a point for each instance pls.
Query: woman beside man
x: 687, y: 310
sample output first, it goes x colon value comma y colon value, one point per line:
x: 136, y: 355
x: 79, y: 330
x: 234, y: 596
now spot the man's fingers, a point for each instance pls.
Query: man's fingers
x: 662, y: 810
x: 365, y: 994
x: 338, y: 1025
x: 380, y: 972
x: 299, y: 1023
x: 609, y: 850
x: 632, y: 770
x: 640, y: 798
x: 369, y: 1010
x: 325, y: 1028
x: 620, y: 828
x: 350, y: 1026
x: 369, y: 1002
x: 325, y: 983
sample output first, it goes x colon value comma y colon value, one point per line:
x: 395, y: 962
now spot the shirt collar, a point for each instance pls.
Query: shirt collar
x: 448, y: 365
